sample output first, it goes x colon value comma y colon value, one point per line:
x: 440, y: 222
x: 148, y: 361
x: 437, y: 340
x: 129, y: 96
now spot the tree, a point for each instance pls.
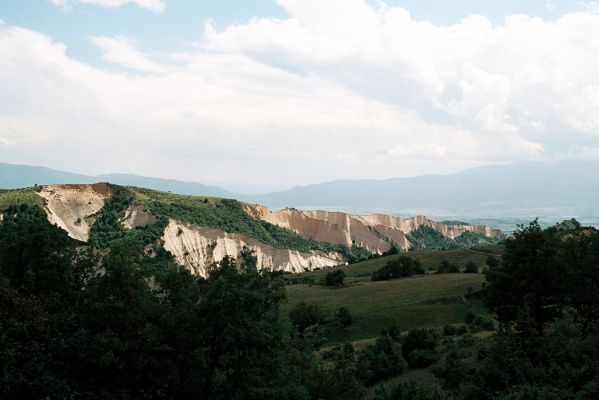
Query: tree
x: 402, y: 267
x: 530, y: 282
x: 304, y: 315
x: 333, y: 278
x: 248, y: 258
x: 471, y: 268
x: 419, y: 347
x: 380, y: 361
x: 344, y: 316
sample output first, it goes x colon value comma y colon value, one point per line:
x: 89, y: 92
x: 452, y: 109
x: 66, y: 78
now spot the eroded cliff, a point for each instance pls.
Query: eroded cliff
x: 196, y: 247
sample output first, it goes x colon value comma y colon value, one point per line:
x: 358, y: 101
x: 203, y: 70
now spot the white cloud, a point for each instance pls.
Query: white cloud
x: 293, y: 100
x: 122, y: 51
x: 152, y: 5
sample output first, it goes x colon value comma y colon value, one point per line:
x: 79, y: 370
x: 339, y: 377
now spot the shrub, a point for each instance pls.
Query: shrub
x: 419, y: 347
x: 315, y: 335
x: 412, y: 390
x: 383, y: 360
x: 402, y: 267
x: 304, y: 315
x: 454, y: 330
x: 471, y: 268
x: 446, y: 267
x: 344, y: 316
x: 333, y: 278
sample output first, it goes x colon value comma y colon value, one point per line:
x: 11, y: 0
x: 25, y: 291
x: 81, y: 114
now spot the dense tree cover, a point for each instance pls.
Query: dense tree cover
x: 402, y: 267
x: 114, y: 323
x: 545, y: 295
x: 73, y: 325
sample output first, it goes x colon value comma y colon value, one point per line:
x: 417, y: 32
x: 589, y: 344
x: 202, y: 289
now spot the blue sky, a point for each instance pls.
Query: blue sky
x: 262, y: 94
x: 183, y: 21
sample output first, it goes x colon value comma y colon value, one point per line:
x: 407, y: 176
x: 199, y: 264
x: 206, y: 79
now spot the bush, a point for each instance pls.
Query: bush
x: 333, y: 278
x: 483, y: 323
x: 471, y: 268
x: 454, y: 330
x: 402, y: 267
x: 304, y: 315
x: 412, y: 390
x: 344, y: 316
x: 315, y: 335
x: 419, y: 347
x: 381, y: 361
x: 445, y: 267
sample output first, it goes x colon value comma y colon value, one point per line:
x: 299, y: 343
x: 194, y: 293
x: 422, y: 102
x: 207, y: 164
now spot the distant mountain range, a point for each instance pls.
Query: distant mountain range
x: 527, y: 189
x: 20, y: 176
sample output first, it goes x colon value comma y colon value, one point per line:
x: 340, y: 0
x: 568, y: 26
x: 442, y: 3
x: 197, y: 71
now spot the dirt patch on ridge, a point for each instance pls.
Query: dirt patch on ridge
x: 74, y: 207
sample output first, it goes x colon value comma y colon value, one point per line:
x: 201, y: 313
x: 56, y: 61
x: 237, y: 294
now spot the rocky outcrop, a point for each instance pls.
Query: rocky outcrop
x: 323, y: 226
x: 196, y: 247
x: 74, y: 207
x: 137, y: 216
x: 407, y: 225
x: 376, y: 232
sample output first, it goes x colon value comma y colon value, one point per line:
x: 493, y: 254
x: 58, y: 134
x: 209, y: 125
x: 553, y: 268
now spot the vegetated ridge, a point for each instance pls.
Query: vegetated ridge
x: 198, y: 231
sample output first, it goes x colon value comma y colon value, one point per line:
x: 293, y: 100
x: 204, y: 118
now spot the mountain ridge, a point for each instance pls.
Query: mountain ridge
x: 528, y: 189
x: 198, y: 231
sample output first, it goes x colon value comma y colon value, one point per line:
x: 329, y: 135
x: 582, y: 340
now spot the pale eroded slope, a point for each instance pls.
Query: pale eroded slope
x: 73, y: 207
x: 374, y: 232
x: 196, y: 247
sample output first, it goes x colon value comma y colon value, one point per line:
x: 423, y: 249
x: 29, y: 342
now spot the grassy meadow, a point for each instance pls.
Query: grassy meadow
x: 430, y: 300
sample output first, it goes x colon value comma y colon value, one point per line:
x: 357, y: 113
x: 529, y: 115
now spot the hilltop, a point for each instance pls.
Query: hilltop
x: 197, y: 231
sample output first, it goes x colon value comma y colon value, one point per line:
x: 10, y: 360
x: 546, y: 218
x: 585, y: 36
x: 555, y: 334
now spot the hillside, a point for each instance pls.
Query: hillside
x: 197, y: 231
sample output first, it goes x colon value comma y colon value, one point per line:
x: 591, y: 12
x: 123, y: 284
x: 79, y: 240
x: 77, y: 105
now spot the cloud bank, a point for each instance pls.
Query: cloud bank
x: 338, y: 89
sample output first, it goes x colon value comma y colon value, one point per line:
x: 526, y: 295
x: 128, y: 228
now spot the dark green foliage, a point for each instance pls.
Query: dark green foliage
x: 383, y: 360
x: 108, y: 231
x: 454, y: 330
x: 482, y: 323
x: 248, y: 258
x: 131, y: 330
x: 412, y: 390
x: 402, y: 267
x: 426, y: 237
x: 419, y: 347
x: 471, y: 268
x: 492, y: 262
x: 304, y: 315
x: 333, y: 278
x: 530, y: 282
x: 35, y: 256
x: 315, y: 336
x: 344, y: 316
x: 445, y: 267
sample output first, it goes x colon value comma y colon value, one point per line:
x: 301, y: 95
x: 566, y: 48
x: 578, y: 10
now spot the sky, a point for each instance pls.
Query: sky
x: 259, y: 95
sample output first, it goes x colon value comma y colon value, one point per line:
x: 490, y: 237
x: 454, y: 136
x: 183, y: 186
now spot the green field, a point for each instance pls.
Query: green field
x: 19, y: 196
x: 421, y: 301
x: 430, y: 260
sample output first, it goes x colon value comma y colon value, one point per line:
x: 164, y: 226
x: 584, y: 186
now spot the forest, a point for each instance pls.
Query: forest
x: 108, y: 322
